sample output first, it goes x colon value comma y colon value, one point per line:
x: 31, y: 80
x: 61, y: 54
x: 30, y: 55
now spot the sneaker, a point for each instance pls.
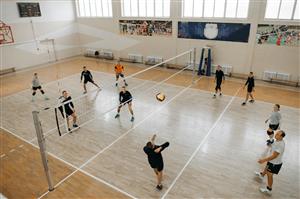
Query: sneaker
x: 132, y: 119
x: 251, y: 101
x: 159, y: 187
x: 220, y: 94
x: 69, y: 129
x: 84, y: 92
x: 244, y: 103
x: 118, y: 115
x: 214, y: 96
x: 266, y: 190
x: 116, y: 84
x: 75, y: 125
x: 258, y: 174
x: 126, y: 84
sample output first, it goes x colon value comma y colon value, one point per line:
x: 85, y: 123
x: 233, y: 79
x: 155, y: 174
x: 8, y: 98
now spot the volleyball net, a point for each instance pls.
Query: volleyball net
x: 144, y: 82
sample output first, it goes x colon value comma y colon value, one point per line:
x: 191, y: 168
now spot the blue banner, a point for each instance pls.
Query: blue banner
x: 235, y: 32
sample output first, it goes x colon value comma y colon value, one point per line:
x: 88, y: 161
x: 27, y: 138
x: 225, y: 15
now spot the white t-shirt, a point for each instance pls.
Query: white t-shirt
x: 278, y: 146
x: 275, y: 118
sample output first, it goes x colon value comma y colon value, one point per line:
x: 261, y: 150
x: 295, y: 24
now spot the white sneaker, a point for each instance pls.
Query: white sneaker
x: 265, y: 190
x: 257, y: 173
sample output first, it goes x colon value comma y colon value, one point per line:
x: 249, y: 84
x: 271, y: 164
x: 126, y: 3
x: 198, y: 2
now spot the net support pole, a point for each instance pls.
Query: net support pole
x: 42, y: 145
x: 194, y: 64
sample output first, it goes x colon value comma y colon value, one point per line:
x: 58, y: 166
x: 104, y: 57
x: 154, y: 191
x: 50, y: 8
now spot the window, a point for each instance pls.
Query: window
x: 215, y: 8
x: 94, y: 8
x: 282, y: 9
x: 146, y: 8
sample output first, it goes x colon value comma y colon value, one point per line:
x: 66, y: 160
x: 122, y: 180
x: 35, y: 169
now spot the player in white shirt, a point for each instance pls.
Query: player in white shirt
x: 274, y: 162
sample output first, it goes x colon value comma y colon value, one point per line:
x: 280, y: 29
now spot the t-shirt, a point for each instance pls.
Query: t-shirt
x: 119, y: 68
x: 36, y: 82
x: 86, y: 74
x: 278, y: 146
x: 219, y: 75
x: 124, y: 96
x: 250, y: 82
x: 155, y: 159
x: 69, y: 106
x: 275, y: 118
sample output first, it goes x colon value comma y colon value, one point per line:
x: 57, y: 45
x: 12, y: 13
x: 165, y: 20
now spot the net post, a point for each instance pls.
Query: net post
x: 41, y: 142
x: 194, y: 63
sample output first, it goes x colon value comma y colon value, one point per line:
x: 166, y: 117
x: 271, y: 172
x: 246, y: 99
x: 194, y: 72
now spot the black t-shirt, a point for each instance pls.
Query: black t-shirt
x: 125, y: 96
x: 155, y: 159
x: 219, y: 75
x: 250, y: 82
x: 69, y: 106
x: 86, y: 74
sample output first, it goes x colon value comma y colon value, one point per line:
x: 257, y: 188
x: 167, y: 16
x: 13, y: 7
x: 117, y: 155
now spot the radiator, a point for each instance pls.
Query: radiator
x: 283, y: 76
x: 153, y: 60
x: 269, y: 75
x: 136, y: 58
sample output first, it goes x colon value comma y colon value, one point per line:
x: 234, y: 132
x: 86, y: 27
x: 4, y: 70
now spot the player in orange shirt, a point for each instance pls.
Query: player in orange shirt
x: 119, y: 69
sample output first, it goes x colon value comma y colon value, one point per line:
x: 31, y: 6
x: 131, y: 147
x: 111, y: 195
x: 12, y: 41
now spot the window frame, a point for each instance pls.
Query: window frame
x: 146, y: 10
x: 110, y: 11
x: 292, y: 19
x: 224, y: 13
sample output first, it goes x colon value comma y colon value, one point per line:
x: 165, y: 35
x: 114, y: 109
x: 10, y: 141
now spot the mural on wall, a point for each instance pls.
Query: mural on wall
x: 235, y: 32
x: 145, y: 27
x: 280, y: 35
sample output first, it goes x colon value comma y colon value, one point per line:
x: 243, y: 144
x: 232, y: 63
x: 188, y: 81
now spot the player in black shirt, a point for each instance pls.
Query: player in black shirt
x: 218, y: 79
x: 125, y: 97
x: 250, y: 88
x: 69, y: 109
x: 155, y: 159
x: 87, y: 75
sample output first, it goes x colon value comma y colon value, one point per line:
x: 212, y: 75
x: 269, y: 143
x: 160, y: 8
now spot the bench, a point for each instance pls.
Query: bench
x: 6, y: 71
x: 284, y: 82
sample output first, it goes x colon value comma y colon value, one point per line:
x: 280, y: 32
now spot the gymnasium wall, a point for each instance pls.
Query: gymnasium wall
x: 243, y: 57
x: 57, y: 22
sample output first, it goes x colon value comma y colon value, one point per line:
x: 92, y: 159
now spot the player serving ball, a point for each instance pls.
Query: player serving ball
x: 155, y: 159
x: 119, y: 70
x: 87, y: 75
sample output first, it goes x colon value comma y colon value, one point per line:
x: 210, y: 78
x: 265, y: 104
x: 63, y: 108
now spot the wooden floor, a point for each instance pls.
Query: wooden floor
x: 230, y: 138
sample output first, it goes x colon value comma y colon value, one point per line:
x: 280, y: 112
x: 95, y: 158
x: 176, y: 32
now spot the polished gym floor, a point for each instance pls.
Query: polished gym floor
x: 214, y: 143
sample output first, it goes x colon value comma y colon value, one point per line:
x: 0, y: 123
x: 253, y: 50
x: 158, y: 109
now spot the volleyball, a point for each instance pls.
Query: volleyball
x: 160, y: 97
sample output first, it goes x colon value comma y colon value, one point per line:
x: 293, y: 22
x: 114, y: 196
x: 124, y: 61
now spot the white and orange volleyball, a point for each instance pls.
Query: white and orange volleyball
x: 160, y: 97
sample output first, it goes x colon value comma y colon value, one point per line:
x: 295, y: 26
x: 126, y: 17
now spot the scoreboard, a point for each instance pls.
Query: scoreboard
x: 29, y: 9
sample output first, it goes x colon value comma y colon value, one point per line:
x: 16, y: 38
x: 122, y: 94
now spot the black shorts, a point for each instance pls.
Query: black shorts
x: 273, y: 168
x: 274, y: 127
x: 218, y: 86
x: 119, y: 75
x: 158, y: 167
x: 69, y: 112
x: 88, y: 80
x: 249, y: 89
x: 125, y: 102
x: 35, y: 88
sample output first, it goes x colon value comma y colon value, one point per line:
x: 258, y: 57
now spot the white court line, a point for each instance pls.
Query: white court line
x: 12, y: 150
x: 200, y: 145
x: 119, y: 138
x: 69, y: 164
